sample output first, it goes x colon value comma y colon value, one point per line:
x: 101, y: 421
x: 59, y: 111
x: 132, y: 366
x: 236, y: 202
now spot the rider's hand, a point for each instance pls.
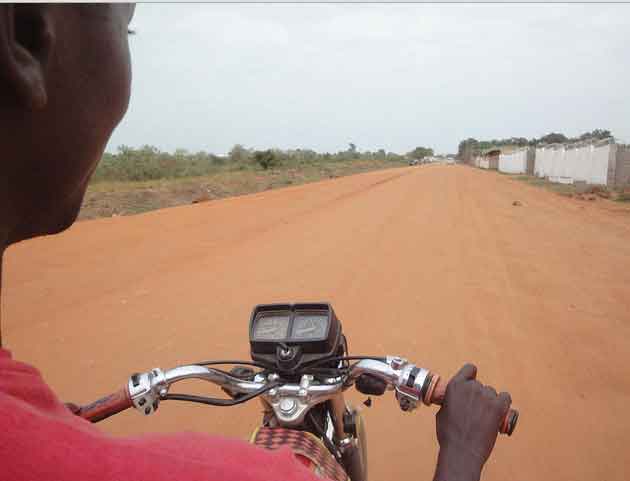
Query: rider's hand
x: 467, y: 425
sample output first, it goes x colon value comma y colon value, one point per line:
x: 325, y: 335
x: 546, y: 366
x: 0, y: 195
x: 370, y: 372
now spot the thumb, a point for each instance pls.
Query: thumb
x: 466, y: 373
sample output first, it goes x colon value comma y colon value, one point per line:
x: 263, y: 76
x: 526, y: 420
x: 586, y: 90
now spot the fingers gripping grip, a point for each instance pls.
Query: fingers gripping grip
x: 436, y: 391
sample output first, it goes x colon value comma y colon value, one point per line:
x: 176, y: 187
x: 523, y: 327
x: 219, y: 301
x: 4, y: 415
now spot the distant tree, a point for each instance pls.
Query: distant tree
x: 265, y: 158
x: 420, y: 153
x: 470, y: 147
x: 393, y: 157
x: 553, y: 138
x: 601, y: 134
x: 597, y: 134
x: 124, y: 150
x: 467, y: 148
x: 352, y: 152
x: 239, y: 154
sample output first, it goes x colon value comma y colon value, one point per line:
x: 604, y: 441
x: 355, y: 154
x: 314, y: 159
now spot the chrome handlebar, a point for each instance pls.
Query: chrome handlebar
x: 290, y: 402
x: 412, y: 384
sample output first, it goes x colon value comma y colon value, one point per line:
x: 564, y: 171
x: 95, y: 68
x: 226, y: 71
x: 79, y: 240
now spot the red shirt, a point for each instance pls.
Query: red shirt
x: 41, y: 440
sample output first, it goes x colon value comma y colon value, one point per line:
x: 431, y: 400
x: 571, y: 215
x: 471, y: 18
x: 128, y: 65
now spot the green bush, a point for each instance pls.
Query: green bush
x: 148, y: 163
x: 265, y: 158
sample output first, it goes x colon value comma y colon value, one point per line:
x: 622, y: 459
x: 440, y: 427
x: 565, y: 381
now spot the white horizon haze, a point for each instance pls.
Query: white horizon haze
x: 391, y: 76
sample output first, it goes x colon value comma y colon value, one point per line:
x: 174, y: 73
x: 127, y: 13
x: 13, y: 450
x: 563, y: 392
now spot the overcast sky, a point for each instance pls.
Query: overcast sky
x: 208, y: 76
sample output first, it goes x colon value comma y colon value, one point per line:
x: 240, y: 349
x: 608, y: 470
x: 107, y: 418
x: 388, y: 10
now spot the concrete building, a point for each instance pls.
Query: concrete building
x: 490, y: 159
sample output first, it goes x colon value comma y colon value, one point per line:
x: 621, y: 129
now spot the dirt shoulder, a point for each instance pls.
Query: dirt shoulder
x: 107, y: 199
x: 598, y: 197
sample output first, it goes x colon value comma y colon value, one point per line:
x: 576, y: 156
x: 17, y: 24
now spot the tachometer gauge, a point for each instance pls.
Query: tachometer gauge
x: 309, y: 326
x: 271, y: 327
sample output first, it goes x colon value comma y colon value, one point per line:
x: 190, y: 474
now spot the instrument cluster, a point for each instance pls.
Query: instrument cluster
x: 280, y: 326
x: 308, y: 330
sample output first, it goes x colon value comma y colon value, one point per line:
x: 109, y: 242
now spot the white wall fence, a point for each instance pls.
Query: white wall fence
x: 514, y: 162
x: 598, y: 163
x: 592, y: 163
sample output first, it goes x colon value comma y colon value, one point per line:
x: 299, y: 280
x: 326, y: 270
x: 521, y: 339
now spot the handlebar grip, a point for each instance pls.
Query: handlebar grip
x: 437, y: 390
x: 106, y: 406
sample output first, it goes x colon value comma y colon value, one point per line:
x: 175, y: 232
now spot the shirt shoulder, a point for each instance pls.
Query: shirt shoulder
x: 42, y: 440
x: 24, y: 384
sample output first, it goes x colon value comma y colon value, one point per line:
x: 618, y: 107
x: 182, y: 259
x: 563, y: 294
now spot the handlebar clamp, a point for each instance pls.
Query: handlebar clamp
x: 146, y: 389
x: 411, y: 385
x: 406, y: 401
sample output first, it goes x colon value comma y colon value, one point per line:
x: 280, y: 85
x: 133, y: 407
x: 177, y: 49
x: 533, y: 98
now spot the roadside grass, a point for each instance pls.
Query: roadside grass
x: 110, y: 198
x: 570, y: 190
x: 623, y: 197
x: 561, y: 189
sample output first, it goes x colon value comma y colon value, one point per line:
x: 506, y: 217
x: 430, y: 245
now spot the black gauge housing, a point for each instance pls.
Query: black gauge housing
x: 304, y: 340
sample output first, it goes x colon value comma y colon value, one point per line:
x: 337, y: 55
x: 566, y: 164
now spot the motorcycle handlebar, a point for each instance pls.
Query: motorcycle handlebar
x: 106, y: 406
x: 412, y: 385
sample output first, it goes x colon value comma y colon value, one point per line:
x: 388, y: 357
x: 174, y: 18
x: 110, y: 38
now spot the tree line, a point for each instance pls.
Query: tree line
x: 294, y: 157
x: 472, y: 146
x: 150, y: 163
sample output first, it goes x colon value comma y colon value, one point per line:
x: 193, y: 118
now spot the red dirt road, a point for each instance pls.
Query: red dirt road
x: 434, y: 263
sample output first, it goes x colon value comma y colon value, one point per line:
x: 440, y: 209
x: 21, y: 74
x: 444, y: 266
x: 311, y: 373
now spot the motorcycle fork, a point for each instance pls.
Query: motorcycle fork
x: 269, y: 416
x: 354, y: 455
x: 337, y: 410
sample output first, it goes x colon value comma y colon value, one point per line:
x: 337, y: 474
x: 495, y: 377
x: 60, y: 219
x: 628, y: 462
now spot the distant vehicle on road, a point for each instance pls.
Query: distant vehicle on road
x: 413, y: 162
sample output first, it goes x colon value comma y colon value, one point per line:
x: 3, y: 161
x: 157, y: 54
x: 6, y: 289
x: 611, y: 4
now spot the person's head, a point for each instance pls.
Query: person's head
x: 64, y: 86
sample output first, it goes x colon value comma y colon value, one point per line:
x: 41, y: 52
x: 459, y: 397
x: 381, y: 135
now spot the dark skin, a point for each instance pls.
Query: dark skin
x: 467, y: 426
x: 65, y: 79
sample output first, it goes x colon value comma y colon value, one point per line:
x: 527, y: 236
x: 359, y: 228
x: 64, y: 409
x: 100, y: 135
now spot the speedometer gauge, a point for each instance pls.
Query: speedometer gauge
x: 271, y: 327
x: 309, y: 326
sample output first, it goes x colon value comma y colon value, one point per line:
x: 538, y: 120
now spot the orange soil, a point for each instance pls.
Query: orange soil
x: 433, y: 263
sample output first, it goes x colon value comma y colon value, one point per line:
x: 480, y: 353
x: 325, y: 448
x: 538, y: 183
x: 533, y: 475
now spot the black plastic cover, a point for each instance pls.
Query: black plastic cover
x: 370, y: 385
x: 267, y: 351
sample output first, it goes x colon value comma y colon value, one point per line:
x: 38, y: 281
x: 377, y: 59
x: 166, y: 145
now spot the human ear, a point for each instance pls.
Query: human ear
x: 26, y: 42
